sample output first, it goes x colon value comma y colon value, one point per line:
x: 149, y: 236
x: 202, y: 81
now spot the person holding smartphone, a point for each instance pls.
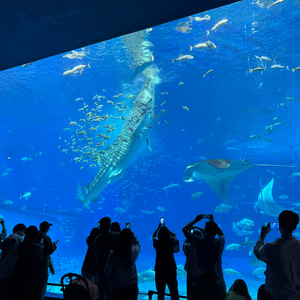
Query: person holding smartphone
x: 191, y: 262
x: 282, y: 258
x: 210, y: 283
x: 164, y: 242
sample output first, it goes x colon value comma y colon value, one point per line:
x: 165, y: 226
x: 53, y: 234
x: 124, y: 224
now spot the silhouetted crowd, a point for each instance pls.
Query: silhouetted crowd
x: 24, y: 264
x: 109, y: 268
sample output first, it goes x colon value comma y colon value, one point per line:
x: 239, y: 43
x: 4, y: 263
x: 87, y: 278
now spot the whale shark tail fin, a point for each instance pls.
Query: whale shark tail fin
x: 80, y: 196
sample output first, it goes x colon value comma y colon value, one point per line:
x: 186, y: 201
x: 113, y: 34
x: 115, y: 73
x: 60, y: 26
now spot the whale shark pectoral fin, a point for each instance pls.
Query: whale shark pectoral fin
x: 88, y: 208
x: 148, y: 144
x: 115, y: 175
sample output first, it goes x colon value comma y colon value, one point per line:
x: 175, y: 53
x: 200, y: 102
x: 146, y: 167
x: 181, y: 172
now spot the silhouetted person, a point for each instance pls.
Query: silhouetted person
x: 88, y: 269
x: 210, y: 282
x: 121, y: 268
x: 3, y: 233
x: 238, y: 291
x: 115, y: 227
x: 191, y: 262
x: 26, y: 272
x: 9, y: 257
x: 165, y: 266
x: 282, y: 258
x: 104, y: 243
x: 262, y: 294
x: 49, y: 248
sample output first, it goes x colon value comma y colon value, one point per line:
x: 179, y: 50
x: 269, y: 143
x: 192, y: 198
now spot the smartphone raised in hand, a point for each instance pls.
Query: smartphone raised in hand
x: 162, y: 221
x: 206, y: 217
x: 274, y: 225
x: 128, y: 225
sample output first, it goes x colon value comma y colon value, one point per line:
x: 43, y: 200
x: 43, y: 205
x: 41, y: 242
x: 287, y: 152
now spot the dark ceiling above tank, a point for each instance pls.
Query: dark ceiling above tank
x: 32, y: 30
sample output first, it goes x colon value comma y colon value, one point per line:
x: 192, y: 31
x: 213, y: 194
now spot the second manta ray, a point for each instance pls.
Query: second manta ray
x: 266, y: 203
x: 217, y: 173
x: 114, y: 161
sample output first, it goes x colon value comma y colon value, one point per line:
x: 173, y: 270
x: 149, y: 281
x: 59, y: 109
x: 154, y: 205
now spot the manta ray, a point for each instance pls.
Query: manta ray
x: 217, y: 173
x: 114, y: 160
x: 266, y: 203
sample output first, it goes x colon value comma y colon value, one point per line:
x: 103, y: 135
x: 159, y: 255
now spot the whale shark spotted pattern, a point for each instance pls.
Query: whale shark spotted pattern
x: 113, y: 162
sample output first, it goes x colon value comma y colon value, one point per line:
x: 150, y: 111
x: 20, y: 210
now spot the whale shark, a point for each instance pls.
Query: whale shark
x: 141, y: 69
x: 266, y: 203
x: 114, y: 160
x: 217, y: 173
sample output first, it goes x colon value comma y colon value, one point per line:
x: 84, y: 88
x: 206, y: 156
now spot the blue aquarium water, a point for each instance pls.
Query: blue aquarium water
x: 221, y: 84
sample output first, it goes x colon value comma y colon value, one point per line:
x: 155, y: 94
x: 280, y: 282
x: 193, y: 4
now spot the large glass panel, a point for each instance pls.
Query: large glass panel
x: 126, y: 117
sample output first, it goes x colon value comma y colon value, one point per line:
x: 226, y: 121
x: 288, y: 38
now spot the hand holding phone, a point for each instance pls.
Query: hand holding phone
x: 274, y: 225
x: 206, y: 217
x: 128, y: 225
x: 162, y: 221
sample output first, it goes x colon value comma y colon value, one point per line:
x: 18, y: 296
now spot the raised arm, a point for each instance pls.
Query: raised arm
x: 155, y: 232
x: 187, y: 227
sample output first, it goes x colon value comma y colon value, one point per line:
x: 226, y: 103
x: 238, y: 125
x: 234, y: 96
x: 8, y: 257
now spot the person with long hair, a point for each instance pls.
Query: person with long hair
x: 24, y: 282
x: 121, y: 268
x: 238, y: 291
x: 165, y: 266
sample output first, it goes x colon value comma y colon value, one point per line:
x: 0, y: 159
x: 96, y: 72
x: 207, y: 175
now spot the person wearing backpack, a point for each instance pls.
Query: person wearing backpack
x: 166, y: 244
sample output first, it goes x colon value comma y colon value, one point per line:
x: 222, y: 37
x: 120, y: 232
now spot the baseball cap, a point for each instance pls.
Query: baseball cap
x: 45, y: 224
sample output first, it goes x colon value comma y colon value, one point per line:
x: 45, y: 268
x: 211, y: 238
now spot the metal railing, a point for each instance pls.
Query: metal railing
x: 149, y: 294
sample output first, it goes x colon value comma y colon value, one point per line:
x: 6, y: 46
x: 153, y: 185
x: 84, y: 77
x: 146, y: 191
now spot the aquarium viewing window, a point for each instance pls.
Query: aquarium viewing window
x: 198, y: 115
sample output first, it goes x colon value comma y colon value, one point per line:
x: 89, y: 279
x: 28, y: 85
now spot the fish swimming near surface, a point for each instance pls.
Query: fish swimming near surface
x: 217, y: 26
x: 266, y: 203
x: 113, y: 161
x: 217, y: 173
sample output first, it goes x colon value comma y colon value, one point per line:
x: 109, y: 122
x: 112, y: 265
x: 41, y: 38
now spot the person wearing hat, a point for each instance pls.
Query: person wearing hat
x: 49, y: 248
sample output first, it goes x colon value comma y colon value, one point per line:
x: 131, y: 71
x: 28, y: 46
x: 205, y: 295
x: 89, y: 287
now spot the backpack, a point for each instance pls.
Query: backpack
x: 176, y: 246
